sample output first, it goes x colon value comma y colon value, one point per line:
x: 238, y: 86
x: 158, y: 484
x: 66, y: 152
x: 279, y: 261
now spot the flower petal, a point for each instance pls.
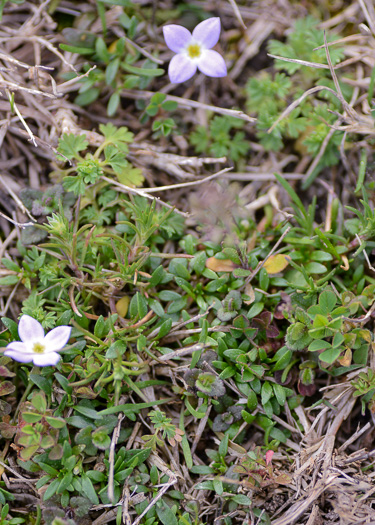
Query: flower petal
x: 50, y: 359
x: 176, y: 37
x: 57, y: 338
x: 19, y: 356
x: 30, y: 329
x: 212, y: 64
x: 22, y: 348
x: 207, y: 32
x: 181, y: 68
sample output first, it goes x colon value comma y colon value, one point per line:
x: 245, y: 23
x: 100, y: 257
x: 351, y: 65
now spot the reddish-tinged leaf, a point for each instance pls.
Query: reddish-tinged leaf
x: 85, y: 392
x: 7, y: 431
x: 4, y: 372
x: 306, y: 390
x: 6, y: 387
x: 56, y: 452
x: 28, y: 452
x: 269, y: 455
x: 283, y: 479
x: 272, y: 331
x: 5, y: 408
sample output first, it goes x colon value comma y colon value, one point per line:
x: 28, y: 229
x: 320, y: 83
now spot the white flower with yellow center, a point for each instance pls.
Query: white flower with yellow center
x: 194, y: 50
x: 35, y: 346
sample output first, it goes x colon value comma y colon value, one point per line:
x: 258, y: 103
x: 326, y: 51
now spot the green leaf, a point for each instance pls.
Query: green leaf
x: 56, y: 422
x: 223, y: 447
x: 338, y: 339
x: 111, y: 71
x: 31, y: 417
x: 169, y: 295
x: 329, y: 356
x: 75, y: 184
x: 315, y: 268
x: 65, y: 482
x: 280, y: 393
x: 10, y: 265
x: 129, y: 407
x: 157, y: 276
x: 115, y: 135
x: 319, y: 344
x: 218, y: 486
x: 50, y: 470
x: 12, y: 326
x: 100, y: 438
x: 9, y: 280
x: 113, y: 103
x: 142, y: 71
x: 138, y: 306
x: 165, y: 328
x: 87, y: 97
x: 128, y: 176
x: 39, y: 402
x: 76, y: 49
x: 42, y: 382
x: 156, y: 307
x: 88, y: 489
x: 327, y: 301
x: 70, y: 145
x: 88, y: 412
x: 321, y: 256
x: 283, y: 359
x: 241, y: 499
x: 255, y: 309
x: 165, y: 514
x: 204, y: 470
x: 266, y: 392
x: 248, y: 418
x: 99, y: 327
x: 51, y: 489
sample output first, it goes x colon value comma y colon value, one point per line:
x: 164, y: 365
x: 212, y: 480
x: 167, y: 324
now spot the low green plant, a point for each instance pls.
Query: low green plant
x: 118, y: 64
x: 109, y: 159
x: 163, y: 426
x: 159, y: 106
x: 308, y: 125
x: 221, y: 139
x: 325, y: 328
x: 6, y: 519
x: 364, y: 386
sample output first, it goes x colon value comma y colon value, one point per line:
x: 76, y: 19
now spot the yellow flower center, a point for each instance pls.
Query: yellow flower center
x: 194, y: 50
x: 38, y: 348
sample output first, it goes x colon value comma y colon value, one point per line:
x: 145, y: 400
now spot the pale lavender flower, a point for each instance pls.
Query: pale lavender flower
x: 194, y: 50
x: 35, y: 346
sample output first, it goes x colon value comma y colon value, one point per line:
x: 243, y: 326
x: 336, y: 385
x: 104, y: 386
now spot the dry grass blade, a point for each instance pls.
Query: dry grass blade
x: 237, y: 13
x: 301, y: 506
x: 298, y: 101
x: 368, y: 11
x: 186, y: 104
x: 301, y: 62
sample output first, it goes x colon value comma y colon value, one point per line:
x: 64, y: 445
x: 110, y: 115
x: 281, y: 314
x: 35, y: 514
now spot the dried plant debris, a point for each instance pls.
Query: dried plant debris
x: 187, y: 287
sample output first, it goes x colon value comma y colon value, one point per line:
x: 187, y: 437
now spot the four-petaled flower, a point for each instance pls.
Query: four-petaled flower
x: 194, y: 50
x: 35, y: 346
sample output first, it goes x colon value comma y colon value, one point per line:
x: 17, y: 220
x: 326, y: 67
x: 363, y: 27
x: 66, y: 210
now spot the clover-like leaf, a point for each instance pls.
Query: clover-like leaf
x: 297, y: 336
x: 210, y: 384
